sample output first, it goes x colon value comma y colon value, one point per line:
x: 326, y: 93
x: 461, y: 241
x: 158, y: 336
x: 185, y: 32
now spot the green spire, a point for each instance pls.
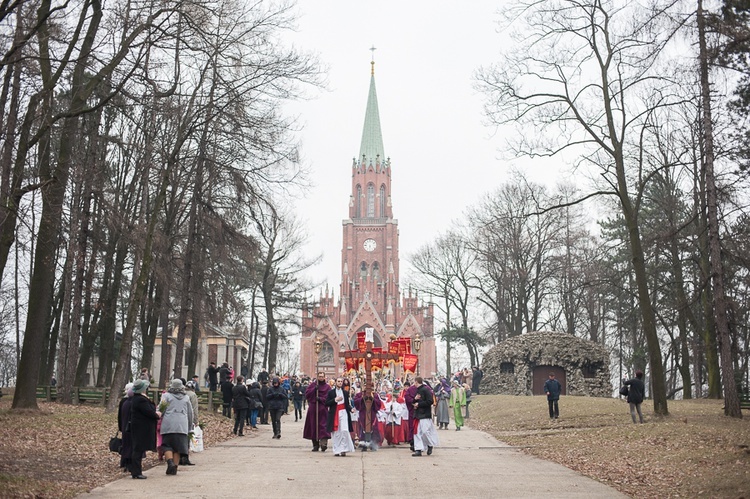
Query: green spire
x: 372, y: 138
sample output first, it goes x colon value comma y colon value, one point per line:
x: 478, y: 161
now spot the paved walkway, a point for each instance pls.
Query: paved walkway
x: 469, y: 463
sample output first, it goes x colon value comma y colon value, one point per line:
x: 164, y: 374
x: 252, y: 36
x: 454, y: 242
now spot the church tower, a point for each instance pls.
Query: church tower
x: 369, y: 258
x: 369, y: 295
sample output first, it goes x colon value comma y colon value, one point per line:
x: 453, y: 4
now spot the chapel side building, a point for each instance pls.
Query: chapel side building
x: 370, y: 295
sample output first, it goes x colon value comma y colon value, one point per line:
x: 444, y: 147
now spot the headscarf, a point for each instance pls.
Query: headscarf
x: 176, y: 386
x: 445, y: 385
x: 140, y: 386
x: 129, y: 390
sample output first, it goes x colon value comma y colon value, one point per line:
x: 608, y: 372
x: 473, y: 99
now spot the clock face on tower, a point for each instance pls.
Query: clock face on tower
x: 370, y: 245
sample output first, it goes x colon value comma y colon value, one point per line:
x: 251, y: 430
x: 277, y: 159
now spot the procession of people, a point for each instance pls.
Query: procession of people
x: 341, y: 412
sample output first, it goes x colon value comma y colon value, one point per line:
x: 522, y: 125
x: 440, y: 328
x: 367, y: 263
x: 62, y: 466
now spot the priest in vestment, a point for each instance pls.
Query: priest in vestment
x: 375, y: 437
x: 317, y: 413
x: 339, y: 422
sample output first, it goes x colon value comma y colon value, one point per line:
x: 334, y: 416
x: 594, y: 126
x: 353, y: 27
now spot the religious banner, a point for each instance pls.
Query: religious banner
x: 401, y: 349
x: 410, y: 363
x: 407, y: 342
x: 351, y: 365
x: 370, y: 334
x: 392, y: 348
x: 377, y: 362
x: 361, y: 344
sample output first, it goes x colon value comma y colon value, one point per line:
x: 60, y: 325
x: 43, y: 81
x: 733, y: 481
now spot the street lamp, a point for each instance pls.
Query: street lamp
x: 342, y: 351
x: 417, y: 344
x: 318, y: 347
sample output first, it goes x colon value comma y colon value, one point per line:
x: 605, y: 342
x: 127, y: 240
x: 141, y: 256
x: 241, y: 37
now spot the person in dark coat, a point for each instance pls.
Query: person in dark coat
x: 212, y: 373
x: 278, y: 401
x: 226, y: 393
x: 298, y: 395
x: 241, y: 403
x: 256, y: 403
x: 224, y: 373
x: 476, y: 379
x: 143, y: 418
x: 552, y: 389
x: 425, y: 435
x: 123, y: 423
x: 636, y: 390
x: 264, y: 401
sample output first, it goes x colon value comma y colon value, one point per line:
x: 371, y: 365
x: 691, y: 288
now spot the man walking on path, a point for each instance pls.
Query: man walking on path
x: 426, y: 435
x: 317, y: 413
x: 552, y: 388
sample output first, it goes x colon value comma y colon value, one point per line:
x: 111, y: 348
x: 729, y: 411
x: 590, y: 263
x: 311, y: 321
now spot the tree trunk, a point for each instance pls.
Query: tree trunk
x: 731, y: 399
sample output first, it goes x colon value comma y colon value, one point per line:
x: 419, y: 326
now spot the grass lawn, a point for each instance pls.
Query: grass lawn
x: 694, y: 452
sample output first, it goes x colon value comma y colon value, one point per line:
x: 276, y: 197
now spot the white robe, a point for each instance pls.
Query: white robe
x: 393, y: 410
x: 341, y: 438
x: 426, y: 436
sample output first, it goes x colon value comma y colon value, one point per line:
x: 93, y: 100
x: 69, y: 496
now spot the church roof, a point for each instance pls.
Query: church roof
x: 372, y: 137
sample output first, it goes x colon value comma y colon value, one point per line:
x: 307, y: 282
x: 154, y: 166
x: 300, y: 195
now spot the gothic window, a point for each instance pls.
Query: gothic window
x: 376, y: 271
x: 382, y: 201
x: 358, y: 203
x: 507, y: 368
x: 370, y: 201
x: 363, y: 270
x: 326, y: 355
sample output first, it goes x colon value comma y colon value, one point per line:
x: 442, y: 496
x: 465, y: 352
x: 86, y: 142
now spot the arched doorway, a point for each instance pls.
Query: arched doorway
x: 541, y: 374
x: 376, y: 341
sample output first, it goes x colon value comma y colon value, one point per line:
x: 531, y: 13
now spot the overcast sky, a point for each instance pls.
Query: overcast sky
x: 443, y: 157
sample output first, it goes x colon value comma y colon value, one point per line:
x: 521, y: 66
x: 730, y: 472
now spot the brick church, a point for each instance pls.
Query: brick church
x: 370, y: 294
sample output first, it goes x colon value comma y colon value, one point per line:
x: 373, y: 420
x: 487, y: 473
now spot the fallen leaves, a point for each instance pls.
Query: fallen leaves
x: 62, y: 450
x: 696, y: 448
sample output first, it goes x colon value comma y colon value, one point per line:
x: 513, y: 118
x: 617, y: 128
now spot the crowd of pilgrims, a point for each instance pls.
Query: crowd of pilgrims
x: 401, y: 412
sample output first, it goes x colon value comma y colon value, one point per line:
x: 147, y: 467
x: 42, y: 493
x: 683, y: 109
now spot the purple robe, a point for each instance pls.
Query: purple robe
x: 316, y: 394
x: 377, y: 404
x: 409, y: 395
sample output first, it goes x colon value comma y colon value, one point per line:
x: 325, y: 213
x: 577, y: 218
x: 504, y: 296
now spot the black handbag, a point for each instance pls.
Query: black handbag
x: 624, y: 391
x: 115, y: 443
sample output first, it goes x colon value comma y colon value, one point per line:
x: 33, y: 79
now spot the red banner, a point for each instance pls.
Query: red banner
x: 361, y: 346
x: 351, y: 365
x: 407, y: 342
x: 410, y: 363
x: 392, y: 348
x: 401, y: 349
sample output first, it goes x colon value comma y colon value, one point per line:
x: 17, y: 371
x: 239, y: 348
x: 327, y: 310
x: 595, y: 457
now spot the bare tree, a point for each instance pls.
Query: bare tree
x: 578, y: 83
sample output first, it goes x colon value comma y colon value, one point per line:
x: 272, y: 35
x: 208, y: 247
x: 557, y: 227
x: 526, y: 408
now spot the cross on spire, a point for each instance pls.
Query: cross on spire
x: 372, y: 61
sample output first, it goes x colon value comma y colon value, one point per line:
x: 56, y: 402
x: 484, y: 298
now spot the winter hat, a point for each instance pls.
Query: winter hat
x: 140, y: 386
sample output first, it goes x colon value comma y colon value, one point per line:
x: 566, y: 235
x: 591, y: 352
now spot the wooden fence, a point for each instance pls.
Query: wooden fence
x: 100, y: 396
